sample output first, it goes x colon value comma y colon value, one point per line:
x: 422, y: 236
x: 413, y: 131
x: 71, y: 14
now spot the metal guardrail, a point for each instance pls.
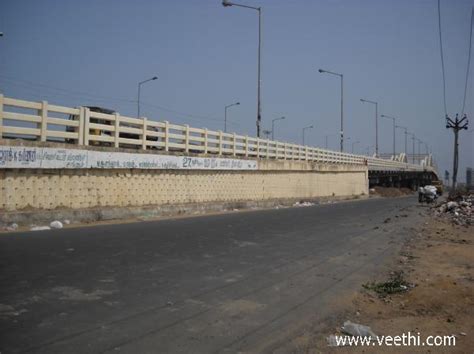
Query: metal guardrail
x: 82, y: 126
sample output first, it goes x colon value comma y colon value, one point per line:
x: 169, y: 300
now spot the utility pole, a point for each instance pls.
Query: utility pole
x: 456, y: 126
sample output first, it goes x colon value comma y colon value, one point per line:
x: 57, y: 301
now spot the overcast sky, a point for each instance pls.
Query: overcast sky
x: 95, y: 52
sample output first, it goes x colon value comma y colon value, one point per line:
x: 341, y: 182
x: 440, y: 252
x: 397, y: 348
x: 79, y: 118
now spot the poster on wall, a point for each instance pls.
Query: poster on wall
x: 53, y: 158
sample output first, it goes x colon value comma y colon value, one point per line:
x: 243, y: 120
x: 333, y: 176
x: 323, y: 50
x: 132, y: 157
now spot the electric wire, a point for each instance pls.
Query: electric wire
x: 442, y: 58
x: 468, y: 62
x: 33, y: 86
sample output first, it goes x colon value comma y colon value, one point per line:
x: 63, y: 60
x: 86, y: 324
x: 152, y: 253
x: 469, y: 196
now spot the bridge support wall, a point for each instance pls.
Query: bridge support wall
x: 51, y: 188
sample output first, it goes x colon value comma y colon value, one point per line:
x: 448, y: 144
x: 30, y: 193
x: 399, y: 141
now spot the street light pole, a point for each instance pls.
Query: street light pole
x: 354, y: 143
x: 308, y: 127
x: 227, y: 3
x: 139, y: 89
x: 342, y: 103
x: 413, y: 137
x: 376, y: 125
x: 368, y: 149
x: 273, y: 126
x: 326, y: 139
x: 406, y: 133
x: 419, y: 147
x: 394, y: 134
x: 225, y: 114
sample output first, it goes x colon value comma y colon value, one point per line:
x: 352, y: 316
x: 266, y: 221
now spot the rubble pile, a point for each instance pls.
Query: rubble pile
x: 460, y: 210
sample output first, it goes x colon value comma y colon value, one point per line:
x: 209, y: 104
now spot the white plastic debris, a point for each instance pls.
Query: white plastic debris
x: 430, y: 189
x: 452, y: 205
x: 40, y: 228
x: 12, y: 227
x: 67, y: 222
x: 303, y: 204
x: 355, y: 329
x: 56, y: 224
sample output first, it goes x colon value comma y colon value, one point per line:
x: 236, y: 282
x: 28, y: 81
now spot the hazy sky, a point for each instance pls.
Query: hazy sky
x: 94, y: 52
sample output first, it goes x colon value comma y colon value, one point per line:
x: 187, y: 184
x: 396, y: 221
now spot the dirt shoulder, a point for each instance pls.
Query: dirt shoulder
x: 439, y: 261
x: 390, y: 192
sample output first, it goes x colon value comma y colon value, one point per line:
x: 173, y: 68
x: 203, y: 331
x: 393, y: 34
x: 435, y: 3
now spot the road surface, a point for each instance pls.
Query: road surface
x: 243, y: 281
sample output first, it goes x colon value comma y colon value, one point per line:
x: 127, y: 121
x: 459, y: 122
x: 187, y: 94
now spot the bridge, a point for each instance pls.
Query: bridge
x: 77, y: 138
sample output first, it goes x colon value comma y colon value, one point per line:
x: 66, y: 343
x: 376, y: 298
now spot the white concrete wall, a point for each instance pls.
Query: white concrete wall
x: 57, y: 186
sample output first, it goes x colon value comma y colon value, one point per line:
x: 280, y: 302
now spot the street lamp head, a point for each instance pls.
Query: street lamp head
x: 226, y: 3
x: 321, y: 70
x: 237, y: 103
x: 154, y: 77
x: 362, y: 100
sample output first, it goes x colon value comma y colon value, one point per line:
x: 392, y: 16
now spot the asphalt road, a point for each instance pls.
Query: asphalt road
x: 243, y: 281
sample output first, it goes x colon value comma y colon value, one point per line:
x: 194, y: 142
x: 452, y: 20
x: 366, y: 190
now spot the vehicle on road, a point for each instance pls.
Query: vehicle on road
x: 427, y: 194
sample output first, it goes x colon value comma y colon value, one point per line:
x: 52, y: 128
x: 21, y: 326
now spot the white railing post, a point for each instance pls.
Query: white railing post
x: 44, y: 120
x: 268, y: 149
x: 220, y: 142
x: 205, y: 140
x: 284, y: 151
x: 186, y: 138
x: 117, y: 130
x: 167, y: 130
x: 258, y: 147
x: 1, y: 116
x: 80, y: 131
x: 86, y: 125
x: 234, y: 152
x: 145, y: 128
x: 246, y: 145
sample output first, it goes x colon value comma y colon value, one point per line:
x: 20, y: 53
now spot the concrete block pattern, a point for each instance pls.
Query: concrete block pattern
x: 50, y: 189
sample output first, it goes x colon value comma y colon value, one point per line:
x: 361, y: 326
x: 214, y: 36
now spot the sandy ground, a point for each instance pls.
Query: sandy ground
x: 439, y: 261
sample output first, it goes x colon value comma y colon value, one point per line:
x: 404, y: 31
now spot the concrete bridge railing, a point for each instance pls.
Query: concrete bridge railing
x: 86, y: 126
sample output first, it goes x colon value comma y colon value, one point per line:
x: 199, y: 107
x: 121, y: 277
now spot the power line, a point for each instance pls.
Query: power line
x: 468, y: 62
x: 442, y: 58
x: 32, y: 86
x: 65, y: 91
